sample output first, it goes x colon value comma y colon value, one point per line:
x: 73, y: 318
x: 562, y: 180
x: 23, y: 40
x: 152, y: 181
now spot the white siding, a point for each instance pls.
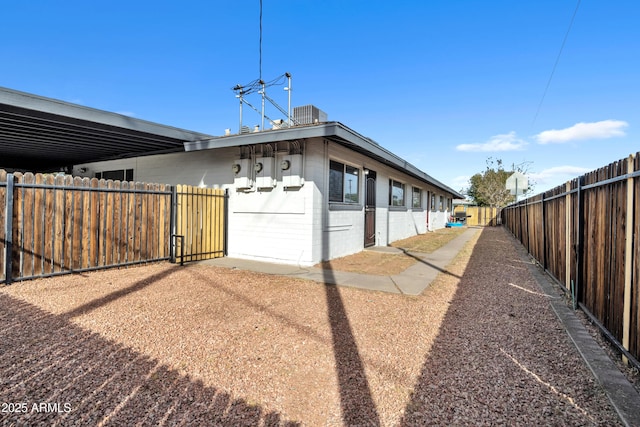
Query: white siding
x: 203, y: 168
x: 438, y: 220
x: 408, y: 223
x: 295, y: 225
x: 272, y: 226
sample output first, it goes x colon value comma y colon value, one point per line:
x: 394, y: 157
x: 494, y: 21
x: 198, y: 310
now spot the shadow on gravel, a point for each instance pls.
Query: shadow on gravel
x: 101, y: 302
x: 425, y: 262
x: 356, y: 401
x: 55, y: 373
x: 501, y: 357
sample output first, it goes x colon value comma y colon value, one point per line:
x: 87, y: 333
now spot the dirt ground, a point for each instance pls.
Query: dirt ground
x: 387, y: 264
x: 199, y: 345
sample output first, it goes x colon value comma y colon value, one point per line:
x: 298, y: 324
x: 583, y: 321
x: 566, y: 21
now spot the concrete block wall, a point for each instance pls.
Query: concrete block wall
x: 438, y: 220
x: 202, y: 168
x: 343, y: 225
x: 272, y: 226
x: 296, y: 225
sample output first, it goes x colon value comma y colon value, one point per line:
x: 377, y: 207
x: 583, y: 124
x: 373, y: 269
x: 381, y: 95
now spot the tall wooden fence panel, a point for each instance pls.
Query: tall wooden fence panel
x: 62, y: 224
x: 201, y: 218
x: 480, y: 215
x: 585, y: 234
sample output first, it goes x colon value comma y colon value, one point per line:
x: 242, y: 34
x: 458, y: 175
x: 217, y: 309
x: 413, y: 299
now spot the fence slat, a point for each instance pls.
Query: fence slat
x: 61, y: 224
x: 18, y: 231
x: 591, y: 236
x: 28, y: 221
x: 78, y: 224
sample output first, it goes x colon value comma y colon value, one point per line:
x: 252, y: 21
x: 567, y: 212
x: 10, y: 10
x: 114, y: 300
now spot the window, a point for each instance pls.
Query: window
x: 343, y: 183
x: 433, y: 202
x: 417, y: 198
x: 396, y: 193
x: 116, y: 175
x: 441, y: 204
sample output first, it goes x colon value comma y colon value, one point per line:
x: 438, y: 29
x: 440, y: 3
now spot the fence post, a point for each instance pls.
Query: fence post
x: 526, y: 220
x: 173, y: 212
x: 567, y: 236
x: 628, y: 260
x: 544, y: 237
x: 579, y: 231
x: 226, y: 220
x: 8, y: 230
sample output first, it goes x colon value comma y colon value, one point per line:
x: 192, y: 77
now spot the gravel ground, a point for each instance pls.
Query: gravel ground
x: 200, y: 345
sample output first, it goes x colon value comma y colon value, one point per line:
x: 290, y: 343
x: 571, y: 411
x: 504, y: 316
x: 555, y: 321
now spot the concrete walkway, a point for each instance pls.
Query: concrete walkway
x: 412, y: 281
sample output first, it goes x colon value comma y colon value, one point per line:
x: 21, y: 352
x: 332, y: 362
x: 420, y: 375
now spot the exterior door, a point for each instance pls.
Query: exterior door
x: 370, y: 209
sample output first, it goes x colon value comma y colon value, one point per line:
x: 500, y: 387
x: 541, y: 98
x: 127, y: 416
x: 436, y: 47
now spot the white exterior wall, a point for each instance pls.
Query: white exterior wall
x: 270, y: 225
x: 438, y: 220
x: 343, y: 224
x: 202, y: 168
x: 296, y: 225
x: 404, y: 224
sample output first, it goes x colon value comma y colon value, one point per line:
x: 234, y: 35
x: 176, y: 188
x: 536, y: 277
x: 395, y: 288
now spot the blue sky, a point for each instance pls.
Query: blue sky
x: 443, y: 84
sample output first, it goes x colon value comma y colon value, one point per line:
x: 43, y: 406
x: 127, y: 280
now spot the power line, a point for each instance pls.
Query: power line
x: 553, y: 70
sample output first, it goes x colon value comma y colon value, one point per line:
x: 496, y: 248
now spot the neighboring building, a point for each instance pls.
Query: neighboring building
x: 303, y: 194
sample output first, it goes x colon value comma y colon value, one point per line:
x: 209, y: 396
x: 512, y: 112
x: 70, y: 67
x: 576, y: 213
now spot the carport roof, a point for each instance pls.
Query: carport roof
x: 44, y: 134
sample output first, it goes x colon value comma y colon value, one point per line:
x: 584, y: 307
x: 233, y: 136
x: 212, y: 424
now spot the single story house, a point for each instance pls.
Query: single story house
x: 297, y: 195
x: 302, y: 194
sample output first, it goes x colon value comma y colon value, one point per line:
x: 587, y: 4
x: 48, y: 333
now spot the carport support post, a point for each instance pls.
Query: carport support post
x: 8, y: 230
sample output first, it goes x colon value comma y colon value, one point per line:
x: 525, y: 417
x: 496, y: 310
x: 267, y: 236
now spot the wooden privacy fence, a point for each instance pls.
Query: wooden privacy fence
x: 480, y: 215
x: 585, y: 235
x: 52, y: 225
x: 201, y: 218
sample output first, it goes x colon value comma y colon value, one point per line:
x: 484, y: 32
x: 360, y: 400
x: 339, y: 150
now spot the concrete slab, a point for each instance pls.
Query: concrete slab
x: 412, y: 281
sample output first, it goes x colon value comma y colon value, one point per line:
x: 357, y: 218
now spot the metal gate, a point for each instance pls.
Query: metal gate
x: 52, y: 225
x: 200, y: 223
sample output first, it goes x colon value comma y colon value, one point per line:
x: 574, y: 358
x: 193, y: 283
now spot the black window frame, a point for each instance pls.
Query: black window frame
x: 338, y: 173
x: 116, y: 175
x: 401, y: 186
x: 413, y: 198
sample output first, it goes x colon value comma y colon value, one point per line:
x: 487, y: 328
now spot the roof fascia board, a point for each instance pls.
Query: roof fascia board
x: 66, y: 109
x: 263, y: 137
x: 331, y: 130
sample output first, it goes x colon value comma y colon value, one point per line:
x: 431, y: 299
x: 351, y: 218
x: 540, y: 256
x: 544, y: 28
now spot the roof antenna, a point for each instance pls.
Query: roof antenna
x: 260, y: 74
x: 288, y: 89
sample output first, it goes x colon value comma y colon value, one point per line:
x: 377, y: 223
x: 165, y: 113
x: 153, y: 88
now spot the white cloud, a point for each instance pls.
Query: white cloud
x: 580, y: 131
x: 459, y: 182
x: 504, y: 142
x: 551, y: 177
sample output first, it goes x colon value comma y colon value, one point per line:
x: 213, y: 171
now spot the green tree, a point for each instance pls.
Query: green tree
x: 488, y: 188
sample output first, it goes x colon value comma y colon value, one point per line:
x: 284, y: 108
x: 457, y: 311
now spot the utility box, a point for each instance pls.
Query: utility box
x: 291, y: 166
x: 265, y: 173
x: 242, y: 171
